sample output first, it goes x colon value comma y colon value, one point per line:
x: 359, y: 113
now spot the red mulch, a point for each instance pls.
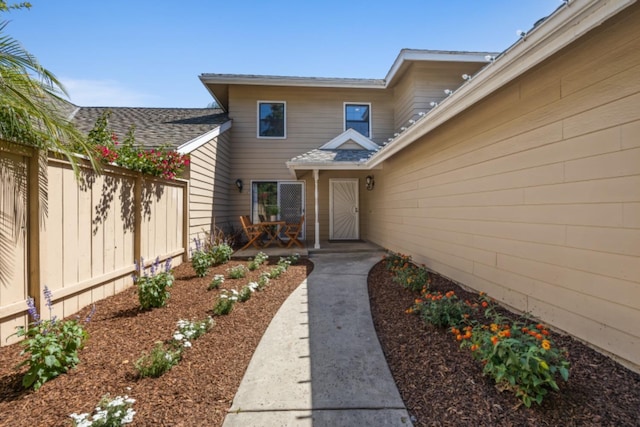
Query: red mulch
x: 198, y: 391
x: 442, y: 385
x: 439, y: 383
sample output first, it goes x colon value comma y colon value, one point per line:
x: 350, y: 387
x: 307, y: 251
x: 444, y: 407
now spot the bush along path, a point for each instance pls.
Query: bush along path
x: 459, y: 359
x: 123, y: 367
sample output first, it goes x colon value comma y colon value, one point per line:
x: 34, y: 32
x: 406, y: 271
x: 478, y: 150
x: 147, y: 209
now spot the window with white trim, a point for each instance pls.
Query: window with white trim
x: 272, y: 122
x: 358, y: 118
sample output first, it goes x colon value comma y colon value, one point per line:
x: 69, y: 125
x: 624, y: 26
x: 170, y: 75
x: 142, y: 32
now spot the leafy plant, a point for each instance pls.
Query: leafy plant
x: 221, y: 254
x: 52, y: 344
x: 152, y: 288
x: 238, y: 271
x: 200, y: 259
x: 520, y: 358
x: 394, y: 261
x: 442, y: 310
x: 158, y: 361
x: 160, y: 161
x: 109, y: 413
x: 217, y: 280
x: 188, y: 331
x: 226, y: 301
x: 412, y: 277
x: 259, y: 259
x: 263, y: 280
x: 245, y: 294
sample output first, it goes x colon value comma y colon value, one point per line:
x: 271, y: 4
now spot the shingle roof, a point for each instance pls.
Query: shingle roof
x: 154, y: 126
x: 318, y: 156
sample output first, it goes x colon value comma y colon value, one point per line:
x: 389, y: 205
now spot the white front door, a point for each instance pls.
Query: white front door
x: 344, y: 220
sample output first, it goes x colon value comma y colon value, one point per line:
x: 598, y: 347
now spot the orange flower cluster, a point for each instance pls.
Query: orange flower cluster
x: 459, y: 335
x: 539, y: 333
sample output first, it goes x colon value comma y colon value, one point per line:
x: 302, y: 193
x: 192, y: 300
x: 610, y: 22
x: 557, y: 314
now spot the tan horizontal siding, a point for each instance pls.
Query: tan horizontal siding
x: 533, y: 195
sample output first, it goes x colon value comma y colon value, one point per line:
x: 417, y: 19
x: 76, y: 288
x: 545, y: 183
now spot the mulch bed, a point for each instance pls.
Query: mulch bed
x: 198, y: 391
x: 442, y: 385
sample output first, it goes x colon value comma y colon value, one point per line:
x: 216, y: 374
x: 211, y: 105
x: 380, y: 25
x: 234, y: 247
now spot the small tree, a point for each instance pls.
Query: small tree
x: 31, y: 98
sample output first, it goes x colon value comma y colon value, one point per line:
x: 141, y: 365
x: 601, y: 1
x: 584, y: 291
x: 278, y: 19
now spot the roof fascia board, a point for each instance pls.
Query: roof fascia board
x: 560, y: 29
x: 352, y: 135
x: 433, y: 56
x: 291, y: 81
x: 199, y: 141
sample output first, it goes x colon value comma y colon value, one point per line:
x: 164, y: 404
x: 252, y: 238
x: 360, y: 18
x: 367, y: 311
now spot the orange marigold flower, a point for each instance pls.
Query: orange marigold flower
x: 525, y: 330
x: 467, y: 335
x: 418, y: 301
x: 544, y: 332
x: 474, y: 347
x: 484, y: 304
x: 482, y: 294
x: 494, y: 327
x: 450, y: 294
x: 459, y: 337
x: 546, y: 344
x: 494, y: 340
x: 540, y: 326
x: 538, y: 336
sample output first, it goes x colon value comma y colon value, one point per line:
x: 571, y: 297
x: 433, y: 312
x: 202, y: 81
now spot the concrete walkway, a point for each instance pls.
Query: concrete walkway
x: 319, y: 362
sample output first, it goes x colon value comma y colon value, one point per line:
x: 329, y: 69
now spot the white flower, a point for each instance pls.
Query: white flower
x: 178, y: 336
x: 187, y: 344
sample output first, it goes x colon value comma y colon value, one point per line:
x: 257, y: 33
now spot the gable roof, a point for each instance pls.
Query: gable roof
x: 218, y: 84
x: 173, y: 127
x: 348, y: 136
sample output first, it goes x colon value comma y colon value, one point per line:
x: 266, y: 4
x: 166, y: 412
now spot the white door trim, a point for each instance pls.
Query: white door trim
x: 355, y: 208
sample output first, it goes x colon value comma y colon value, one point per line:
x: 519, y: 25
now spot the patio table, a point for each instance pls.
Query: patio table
x: 272, y: 230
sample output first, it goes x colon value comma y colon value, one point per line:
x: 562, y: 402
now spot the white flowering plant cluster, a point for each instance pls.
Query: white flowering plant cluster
x: 188, y: 331
x: 226, y: 301
x: 238, y: 271
x: 109, y: 412
x: 216, y: 282
x: 259, y: 259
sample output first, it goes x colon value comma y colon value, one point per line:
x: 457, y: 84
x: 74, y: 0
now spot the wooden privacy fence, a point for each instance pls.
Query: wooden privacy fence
x: 79, y: 237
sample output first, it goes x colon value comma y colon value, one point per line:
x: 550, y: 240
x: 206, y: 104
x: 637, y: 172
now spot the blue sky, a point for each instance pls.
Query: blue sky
x: 150, y: 53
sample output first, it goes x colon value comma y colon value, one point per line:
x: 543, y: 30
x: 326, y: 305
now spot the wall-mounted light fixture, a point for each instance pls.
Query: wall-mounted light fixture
x: 239, y: 184
x: 370, y: 182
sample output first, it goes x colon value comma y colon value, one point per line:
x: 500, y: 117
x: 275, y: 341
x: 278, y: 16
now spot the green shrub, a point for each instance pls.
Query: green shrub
x: 245, y: 294
x: 442, y: 310
x: 109, y: 413
x: 200, y: 259
x: 263, y: 280
x: 226, y: 301
x: 258, y: 261
x: 216, y: 282
x: 152, y: 287
x: 158, y: 361
x: 188, y: 331
x: 52, y: 345
x: 412, y: 277
x: 522, y: 359
x: 238, y: 271
x: 221, y: 254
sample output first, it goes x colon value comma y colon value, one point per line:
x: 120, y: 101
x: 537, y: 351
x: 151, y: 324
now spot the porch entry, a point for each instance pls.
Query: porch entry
x: 284, y: 199
x: 344, y: 216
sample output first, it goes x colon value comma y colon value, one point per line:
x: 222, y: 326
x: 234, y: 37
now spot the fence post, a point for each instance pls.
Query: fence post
x: 137, y: 209
x: 185, y: 222
x: 36, y: 162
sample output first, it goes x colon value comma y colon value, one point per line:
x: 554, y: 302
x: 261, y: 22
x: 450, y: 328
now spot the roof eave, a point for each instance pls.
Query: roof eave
x: 560, y: 29
x: 259, y: 80
x: 199, y: 141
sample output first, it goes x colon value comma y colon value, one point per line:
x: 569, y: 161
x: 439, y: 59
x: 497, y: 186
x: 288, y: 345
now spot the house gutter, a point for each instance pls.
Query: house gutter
x: 561, y: 28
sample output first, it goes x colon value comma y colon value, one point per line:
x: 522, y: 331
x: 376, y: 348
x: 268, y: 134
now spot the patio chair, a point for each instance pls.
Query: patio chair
x: 252, y: 231
x: 292, y: 231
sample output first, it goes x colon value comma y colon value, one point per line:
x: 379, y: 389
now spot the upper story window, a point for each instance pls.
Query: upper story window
x: 272, y: 121
x: 358, y: 117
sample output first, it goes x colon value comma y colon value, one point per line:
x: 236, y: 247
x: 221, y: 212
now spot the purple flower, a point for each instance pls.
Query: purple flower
x: 196, y: 241
x: 167, y: 265
x: 48, y: 296
x: 91, y: 313
x: 156, y: 266
x: 33, y: 312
